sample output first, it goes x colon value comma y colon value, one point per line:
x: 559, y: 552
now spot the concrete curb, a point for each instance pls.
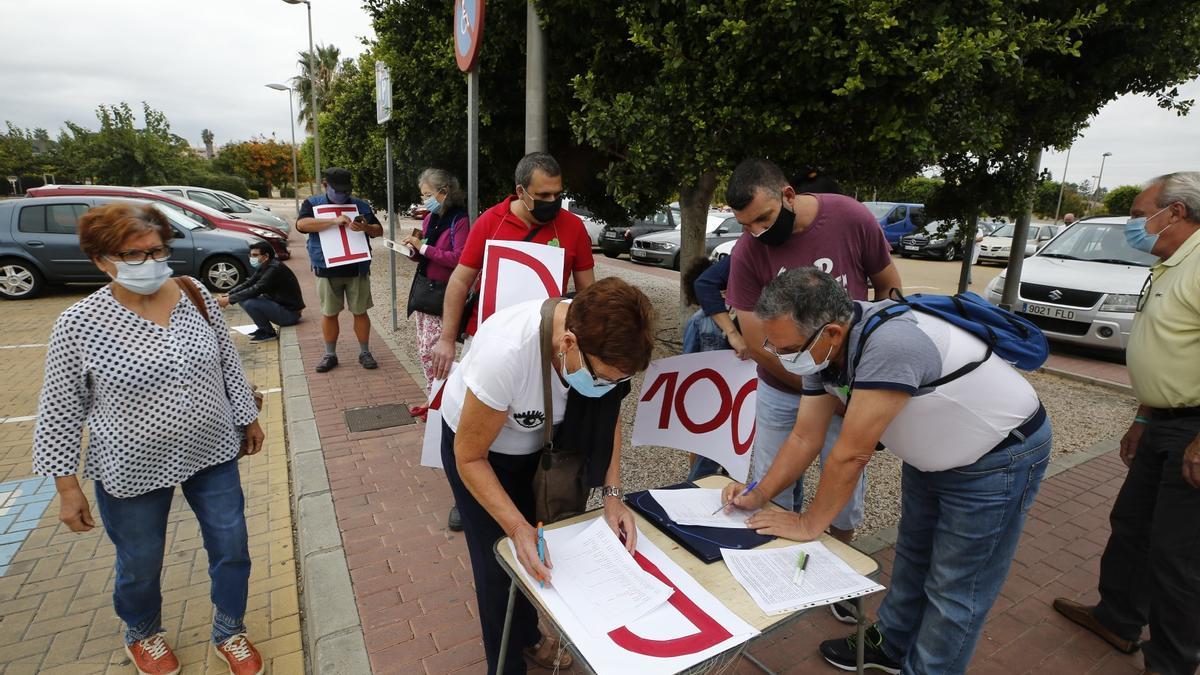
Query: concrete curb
x: 1086, y: 379
x: 333, y: 637
x: 877, y: 541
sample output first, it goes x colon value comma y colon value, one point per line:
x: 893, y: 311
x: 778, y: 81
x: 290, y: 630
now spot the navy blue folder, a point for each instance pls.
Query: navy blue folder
x: 703, y: 542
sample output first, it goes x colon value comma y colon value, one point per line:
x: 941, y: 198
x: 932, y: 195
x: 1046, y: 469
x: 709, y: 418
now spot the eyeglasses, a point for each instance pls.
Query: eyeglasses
x: 136, y: 257
x: 1145, y: 295
x: 771, y: 349
x: 597, y: 380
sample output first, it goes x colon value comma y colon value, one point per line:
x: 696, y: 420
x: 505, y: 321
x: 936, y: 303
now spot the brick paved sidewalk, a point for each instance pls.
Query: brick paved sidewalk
x: 56, y: 612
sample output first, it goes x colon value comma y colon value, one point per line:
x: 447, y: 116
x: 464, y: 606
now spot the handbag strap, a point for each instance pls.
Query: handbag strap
x: 189, y: 289
x: 547, y: 332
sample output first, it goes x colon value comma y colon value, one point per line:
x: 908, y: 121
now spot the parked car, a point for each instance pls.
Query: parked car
x: 594, y: 227
x: 247, y: 202
x: 1084, y: 286
x: 996, y: 246
x: 935, y: 240
x: 618, y: 239
x: 897, y: 220
x: 39, y: 245
x: 226, y: 203
x: 196, y: 211
x: 723, y: 251
x: 662, y: 248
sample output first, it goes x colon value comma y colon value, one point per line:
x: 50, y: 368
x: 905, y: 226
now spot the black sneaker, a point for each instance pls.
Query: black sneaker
x: 843, y: 653
x: 454, y: 522
x: 264, y: 337
x: 328, y: 363
x: 844, y: 612
x: 367, y: 361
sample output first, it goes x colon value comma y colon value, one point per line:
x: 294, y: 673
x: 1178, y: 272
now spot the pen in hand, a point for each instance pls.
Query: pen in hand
x: 751, y: 486
x: 541, y: 534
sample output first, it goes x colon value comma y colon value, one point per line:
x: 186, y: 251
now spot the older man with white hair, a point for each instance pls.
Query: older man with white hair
x: 1150, y: 571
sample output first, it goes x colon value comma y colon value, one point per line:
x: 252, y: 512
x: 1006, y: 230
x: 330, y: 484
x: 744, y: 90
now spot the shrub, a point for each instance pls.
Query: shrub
x: 251, y: 193
x: 220, y: 181
x: 287, y: 192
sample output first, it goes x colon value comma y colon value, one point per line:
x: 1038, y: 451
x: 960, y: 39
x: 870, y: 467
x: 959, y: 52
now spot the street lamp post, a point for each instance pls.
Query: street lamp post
x: 1062, y: 186
x: 312, y: 76
x: 1100, y: 177
x: 295, y: 169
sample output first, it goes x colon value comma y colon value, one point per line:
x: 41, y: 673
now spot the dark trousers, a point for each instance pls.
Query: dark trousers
x: 265, y: 311
x: 1150, y: 572
x: 491, y: 582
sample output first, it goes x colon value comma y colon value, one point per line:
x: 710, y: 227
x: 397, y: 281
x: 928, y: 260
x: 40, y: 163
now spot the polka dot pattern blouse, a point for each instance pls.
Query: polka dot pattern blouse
x: 160, y: 404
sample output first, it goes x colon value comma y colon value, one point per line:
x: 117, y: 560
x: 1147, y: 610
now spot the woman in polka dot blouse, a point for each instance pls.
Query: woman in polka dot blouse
x: 166, y: 403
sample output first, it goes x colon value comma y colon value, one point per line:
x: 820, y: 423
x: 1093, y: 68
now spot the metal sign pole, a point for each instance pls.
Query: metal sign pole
x: 473, y: 144
x: 391, y: 209
x: 468, y: 32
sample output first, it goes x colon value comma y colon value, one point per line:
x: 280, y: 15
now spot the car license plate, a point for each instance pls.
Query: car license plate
x: 637, y: 253
x: 1052, y: 312
x: 912, y: 248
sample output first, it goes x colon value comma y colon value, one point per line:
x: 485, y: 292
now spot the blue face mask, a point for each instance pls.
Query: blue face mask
x: 582, y: 381
x: 337, y: 197
x: 432, y: 205
x: 143, y: 279
x: 255, y: 262
x: 1138, y: 237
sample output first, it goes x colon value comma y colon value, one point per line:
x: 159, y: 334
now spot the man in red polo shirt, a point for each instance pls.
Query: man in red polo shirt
x: 534, y: 214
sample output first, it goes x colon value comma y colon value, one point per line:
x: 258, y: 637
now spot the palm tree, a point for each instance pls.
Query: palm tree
x: 327, y: 69
x: 207, y: 136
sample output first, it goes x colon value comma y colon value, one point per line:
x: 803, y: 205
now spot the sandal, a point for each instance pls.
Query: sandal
x: 548, y: 654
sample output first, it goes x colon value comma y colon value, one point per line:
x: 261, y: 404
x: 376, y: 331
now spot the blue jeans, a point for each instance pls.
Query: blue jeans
x: 264, y: 312
x: 774, y: 417
x: 702, y: 334
x: 137, y: 527
x: 957, y: 535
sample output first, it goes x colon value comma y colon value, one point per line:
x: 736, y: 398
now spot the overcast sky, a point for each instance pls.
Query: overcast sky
x: 204, y: 64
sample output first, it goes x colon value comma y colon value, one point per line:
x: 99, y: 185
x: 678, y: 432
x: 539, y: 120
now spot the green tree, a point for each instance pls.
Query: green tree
x: 120, y: 152
x: 262, y: 162
x: 207, y: 137
x: 914, y: 190
x: 1119, y: 200
x: 1045, y: 200
x: 320, y: 70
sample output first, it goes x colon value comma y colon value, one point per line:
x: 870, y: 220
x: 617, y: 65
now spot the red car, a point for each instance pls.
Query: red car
x: 198, y: 212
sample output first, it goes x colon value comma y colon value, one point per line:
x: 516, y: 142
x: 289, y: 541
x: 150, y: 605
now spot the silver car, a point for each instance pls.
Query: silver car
x: 1082, y: 287
x: 216, y: 199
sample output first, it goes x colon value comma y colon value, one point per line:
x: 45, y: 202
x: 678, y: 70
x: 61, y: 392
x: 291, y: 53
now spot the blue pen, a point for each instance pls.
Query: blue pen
x: 751, y: 486
x: 541, y: 549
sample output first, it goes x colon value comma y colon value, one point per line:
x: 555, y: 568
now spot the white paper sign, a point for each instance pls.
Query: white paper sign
x: 516, y: 272
x: 341, y: 245
x: 701, y: 403
x: 690, y: 628
x: 431, y: 444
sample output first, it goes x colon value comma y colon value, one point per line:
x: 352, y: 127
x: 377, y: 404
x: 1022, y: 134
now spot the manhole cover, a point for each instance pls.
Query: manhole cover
x: 374, y: 417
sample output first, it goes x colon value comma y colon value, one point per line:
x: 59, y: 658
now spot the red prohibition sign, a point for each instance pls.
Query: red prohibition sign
x: 468, y: 32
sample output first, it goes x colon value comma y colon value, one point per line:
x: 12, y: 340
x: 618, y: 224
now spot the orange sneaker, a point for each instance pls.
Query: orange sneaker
x: 153, y: 656
x: 241, y: 656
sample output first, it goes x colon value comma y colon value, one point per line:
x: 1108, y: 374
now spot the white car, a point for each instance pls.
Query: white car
x: 1084, y: 286
x: 996, y: 246
x: 226, y: 203
x: 723, y: 251
x: 594, y: 227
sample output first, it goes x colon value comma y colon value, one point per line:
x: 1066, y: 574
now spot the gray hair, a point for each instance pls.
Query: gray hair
x: 439, y: 180
x: 806, y: 295
x: 1182, y: 187
x: 539, y: 161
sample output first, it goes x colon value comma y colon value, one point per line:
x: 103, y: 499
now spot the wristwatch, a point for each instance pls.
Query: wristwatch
x: 612, y: 491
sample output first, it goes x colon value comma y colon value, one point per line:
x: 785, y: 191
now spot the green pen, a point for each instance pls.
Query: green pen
x: 801, y: 565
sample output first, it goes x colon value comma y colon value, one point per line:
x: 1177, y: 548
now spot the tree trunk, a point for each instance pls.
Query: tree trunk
x: 695, y: 196
x: 1016, y: 255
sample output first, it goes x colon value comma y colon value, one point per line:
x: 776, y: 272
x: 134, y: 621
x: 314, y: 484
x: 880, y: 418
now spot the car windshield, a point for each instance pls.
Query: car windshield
x: 879, y: 209
x: 178, y: 219
x: 1097, y: 242
x: 1004, y: 231
x: 937, y: 226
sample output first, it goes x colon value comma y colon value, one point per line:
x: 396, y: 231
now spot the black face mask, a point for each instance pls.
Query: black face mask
x: 781, y: 230
x: 544, y: 212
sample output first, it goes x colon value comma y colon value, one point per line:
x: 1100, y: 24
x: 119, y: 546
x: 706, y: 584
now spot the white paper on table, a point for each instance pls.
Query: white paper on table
x: 767, y: 575
x: 691, y: 627
x: 248, y: 329
x: 341, y: 245
x: 695, y: 506
x: 600, y: 580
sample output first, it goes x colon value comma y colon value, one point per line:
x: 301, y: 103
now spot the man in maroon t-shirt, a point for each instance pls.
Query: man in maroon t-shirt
x: 535, y: 215
x: 784, y: 229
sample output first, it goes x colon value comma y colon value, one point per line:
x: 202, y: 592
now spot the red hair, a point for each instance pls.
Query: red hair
x: 615, y: 323
x: 103, y: 230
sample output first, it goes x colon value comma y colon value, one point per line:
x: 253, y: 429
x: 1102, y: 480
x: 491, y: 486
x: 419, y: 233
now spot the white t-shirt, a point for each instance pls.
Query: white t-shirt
x: 503, y: 369
x: 944, y: 428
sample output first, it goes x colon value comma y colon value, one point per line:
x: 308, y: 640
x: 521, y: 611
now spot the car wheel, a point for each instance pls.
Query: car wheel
x: 612, y: 253
x: 222, y: 273
x: 950, y: 253
x: 20, y: 280
x: 675, y: 263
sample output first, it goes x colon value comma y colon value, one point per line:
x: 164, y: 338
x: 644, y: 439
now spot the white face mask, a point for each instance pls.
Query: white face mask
x: 143, y: 279
x: 804, y: 363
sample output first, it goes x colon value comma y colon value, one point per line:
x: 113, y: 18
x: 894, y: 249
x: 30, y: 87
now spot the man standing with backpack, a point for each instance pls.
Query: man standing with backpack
x: 973, y: 435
